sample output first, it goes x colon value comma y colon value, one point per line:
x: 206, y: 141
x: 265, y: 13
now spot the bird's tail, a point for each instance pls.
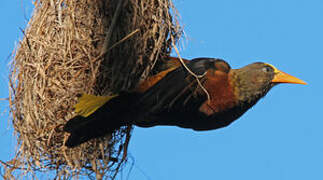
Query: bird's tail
x: 96, y: 117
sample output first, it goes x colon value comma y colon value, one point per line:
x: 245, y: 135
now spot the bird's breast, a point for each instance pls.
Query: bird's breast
x: 221, y: 93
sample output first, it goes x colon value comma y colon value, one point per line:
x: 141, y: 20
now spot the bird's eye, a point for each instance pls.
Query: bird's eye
x: 266, y: 69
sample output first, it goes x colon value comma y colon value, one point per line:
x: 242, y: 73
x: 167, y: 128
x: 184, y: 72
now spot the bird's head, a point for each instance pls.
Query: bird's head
x: 255, y: 80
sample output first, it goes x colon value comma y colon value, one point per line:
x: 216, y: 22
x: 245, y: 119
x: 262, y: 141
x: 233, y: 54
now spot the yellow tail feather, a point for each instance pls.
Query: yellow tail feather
x: 88, y: 104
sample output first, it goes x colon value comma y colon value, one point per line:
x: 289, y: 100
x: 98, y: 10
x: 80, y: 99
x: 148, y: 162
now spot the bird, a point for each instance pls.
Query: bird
x: 201, y: 94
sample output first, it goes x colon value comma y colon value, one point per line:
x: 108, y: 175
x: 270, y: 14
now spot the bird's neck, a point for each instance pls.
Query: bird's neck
x: 221, y: 97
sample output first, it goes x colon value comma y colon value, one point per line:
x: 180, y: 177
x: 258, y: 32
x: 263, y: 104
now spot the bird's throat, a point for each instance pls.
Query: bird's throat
x: 222, y: 97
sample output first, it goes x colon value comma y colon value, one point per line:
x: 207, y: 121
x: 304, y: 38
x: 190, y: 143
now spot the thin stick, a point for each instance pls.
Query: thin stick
x: 123, y: 39
x: 112, y: 25
x: 192, y: 73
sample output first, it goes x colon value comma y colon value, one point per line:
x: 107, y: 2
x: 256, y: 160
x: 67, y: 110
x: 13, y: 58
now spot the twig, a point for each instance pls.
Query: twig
x: 192, y: 73
x: 123, y: 39
x: 112, y: 25
x: 27, y: 40
x: 125, y: 151
x: 59, y: 13
x: 5, y: 164
x: 107, y: 38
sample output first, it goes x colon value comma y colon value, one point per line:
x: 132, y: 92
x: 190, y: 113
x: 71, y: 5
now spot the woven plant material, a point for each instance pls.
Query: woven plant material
x: 70, y: 47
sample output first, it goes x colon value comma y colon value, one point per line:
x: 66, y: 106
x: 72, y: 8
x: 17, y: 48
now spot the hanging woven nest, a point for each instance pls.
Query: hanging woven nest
x: 70, y: 47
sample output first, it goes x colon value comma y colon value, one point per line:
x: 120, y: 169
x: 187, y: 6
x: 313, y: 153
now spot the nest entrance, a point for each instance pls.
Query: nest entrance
x: 81, y: 46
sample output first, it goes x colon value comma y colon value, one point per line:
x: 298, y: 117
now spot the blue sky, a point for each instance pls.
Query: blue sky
x: 280, y: 138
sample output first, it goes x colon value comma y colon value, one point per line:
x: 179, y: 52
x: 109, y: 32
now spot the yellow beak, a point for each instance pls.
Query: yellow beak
x: 282, y: 77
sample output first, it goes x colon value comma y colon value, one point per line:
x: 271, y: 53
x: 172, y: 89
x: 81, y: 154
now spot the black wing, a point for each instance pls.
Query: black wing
x: 174, y: 98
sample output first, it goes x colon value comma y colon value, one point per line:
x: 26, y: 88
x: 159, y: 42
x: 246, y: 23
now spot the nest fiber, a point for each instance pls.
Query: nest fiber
x: 70, y: 47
